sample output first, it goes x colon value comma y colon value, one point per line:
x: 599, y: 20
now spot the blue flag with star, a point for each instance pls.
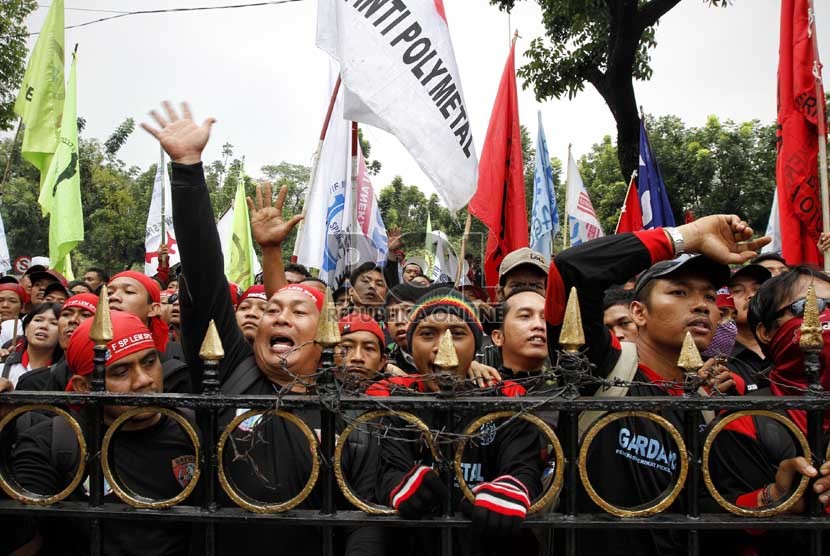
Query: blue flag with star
x: 544, y: 220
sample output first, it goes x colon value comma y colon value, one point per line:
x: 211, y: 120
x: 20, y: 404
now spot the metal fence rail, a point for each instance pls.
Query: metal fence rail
x: 564, y: 518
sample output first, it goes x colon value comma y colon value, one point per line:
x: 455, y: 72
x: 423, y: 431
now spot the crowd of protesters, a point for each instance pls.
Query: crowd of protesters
x: 640, y: 295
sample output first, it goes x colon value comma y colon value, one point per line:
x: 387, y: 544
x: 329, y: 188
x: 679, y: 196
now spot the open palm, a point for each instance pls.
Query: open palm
x: 268, y: 226
x: 180, y: 137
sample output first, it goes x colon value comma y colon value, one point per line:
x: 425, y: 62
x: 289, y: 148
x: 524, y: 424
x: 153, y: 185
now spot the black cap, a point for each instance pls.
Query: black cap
x: 717, y: 273
x: 56, y: 286
x: 34, y: 268
x: 9, y: 279
x: 757, y: 272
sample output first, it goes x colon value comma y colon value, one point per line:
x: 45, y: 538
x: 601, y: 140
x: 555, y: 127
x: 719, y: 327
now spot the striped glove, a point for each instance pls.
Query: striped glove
x: 500, y: 506
x: 419, y: 493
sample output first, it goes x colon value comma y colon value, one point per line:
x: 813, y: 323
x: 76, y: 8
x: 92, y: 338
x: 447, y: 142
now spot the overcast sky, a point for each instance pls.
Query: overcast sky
x: 259, y: 73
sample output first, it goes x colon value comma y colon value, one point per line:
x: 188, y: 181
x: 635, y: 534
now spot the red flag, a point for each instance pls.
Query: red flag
x: 797, y: 164
x: 499, y: 201
x: 631, y: 217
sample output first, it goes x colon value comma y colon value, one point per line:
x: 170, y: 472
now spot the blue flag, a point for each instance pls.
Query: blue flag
x: 654, y: 199
x: 544, y: 216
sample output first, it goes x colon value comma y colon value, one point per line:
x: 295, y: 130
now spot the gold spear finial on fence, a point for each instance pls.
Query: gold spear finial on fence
x: 690, y: 359
x: 212, y: 349
x: 447, y: 357
x: 328, y: 333
x: 572, y: 336
x: 811, y: 338
x: 101, y: 331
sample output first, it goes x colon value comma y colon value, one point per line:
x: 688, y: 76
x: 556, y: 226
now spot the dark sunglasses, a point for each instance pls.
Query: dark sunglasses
x: 172, y: 298
x: 797, y: 307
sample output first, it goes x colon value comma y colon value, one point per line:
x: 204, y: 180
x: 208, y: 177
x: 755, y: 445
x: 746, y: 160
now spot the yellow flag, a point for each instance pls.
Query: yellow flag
x: 40, y: 100
x: 60, y: 192
x: 239, y: 267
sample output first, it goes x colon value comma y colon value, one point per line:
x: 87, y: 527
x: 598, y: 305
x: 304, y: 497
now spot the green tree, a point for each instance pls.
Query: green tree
x: 604, y: 43
x: 13, y: 33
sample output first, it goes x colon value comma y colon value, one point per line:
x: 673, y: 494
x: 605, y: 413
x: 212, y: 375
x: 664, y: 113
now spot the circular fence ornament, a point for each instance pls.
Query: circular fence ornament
x: 482, y: 425
x: 24, y: 496
x: 366, y: 420
x: 256, y: 506
x: 661, y: 502
x: 125, y: 494
x: 767, y: 511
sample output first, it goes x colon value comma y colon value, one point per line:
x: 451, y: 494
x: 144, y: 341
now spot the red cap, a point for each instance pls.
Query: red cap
x: 724, y: 298
x: 129, y: 335
x: 313, y: 293
x: 257, y: 291
x: 86, y: 301
x: 361, y: 322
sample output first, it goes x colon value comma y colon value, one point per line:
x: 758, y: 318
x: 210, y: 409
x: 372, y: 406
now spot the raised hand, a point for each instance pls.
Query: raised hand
x: 268, y: 226
x: 181, y: 138
x: 722, y: 237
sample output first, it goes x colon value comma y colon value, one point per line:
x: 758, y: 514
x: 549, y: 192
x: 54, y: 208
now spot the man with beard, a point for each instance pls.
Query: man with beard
x: 674, y: 296
x: 283, y: 357
x: 154, y: 451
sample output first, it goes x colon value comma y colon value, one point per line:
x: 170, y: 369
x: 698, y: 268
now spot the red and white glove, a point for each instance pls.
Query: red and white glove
x: 421, y: 492
x: 500, y: 506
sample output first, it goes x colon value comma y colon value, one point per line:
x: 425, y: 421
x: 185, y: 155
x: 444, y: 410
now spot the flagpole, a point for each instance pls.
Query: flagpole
x: 315, y: 158
x: 822, y: 132
x: 567, y: 220
x: 163, y: 257
x: 467, y: 224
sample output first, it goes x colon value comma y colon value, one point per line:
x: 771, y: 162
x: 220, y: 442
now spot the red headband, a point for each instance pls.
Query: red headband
x: 152, y: 287
x: 257, y: 291
x: 16, y: 288
x: 129, y: 335
x: 157, y: 326
x: 86, y: 301
x: 314, y: 294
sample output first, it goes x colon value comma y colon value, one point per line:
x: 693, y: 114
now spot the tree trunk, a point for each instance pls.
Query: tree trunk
x: 619, y: 96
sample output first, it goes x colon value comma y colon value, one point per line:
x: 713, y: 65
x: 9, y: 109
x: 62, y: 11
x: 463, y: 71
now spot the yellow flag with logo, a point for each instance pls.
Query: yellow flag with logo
x: 40, y: 100
x: 239, y: 266
x: 60, y: 192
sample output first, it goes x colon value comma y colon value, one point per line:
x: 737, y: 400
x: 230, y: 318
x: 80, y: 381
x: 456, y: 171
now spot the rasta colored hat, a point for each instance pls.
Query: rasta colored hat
x: 313, y: 294
x: 86, y: 301
x: 129, y: 335
x: 448, y: 301
x: 361, y: 322
x: 157, y: 326
x: 257, y: 291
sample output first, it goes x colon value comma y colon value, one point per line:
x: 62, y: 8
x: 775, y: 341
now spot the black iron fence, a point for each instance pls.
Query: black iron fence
x: 563, y: 517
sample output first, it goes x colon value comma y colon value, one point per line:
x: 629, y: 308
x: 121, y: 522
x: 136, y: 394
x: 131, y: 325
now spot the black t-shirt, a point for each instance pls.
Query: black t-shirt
x: 156, y: 462
x: 753, y: 368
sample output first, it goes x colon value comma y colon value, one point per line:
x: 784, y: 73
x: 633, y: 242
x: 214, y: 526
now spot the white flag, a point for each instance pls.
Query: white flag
x: 445, y: 261
x: 152, y: 238
x: 5, y: 260
x: 582, y: 220
x: 225, y: 229
x: 326, y: 196
x: 773, y: 228
x: 398, y: 66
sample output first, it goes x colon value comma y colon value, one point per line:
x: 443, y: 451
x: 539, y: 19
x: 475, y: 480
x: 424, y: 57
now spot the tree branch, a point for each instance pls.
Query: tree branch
x: 648, y: 14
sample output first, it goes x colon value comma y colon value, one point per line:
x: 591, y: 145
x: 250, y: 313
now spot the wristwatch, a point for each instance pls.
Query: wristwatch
x: 677, y: 240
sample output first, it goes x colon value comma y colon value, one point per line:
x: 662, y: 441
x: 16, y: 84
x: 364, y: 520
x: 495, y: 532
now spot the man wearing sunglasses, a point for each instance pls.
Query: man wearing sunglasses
x: 755, y: 462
